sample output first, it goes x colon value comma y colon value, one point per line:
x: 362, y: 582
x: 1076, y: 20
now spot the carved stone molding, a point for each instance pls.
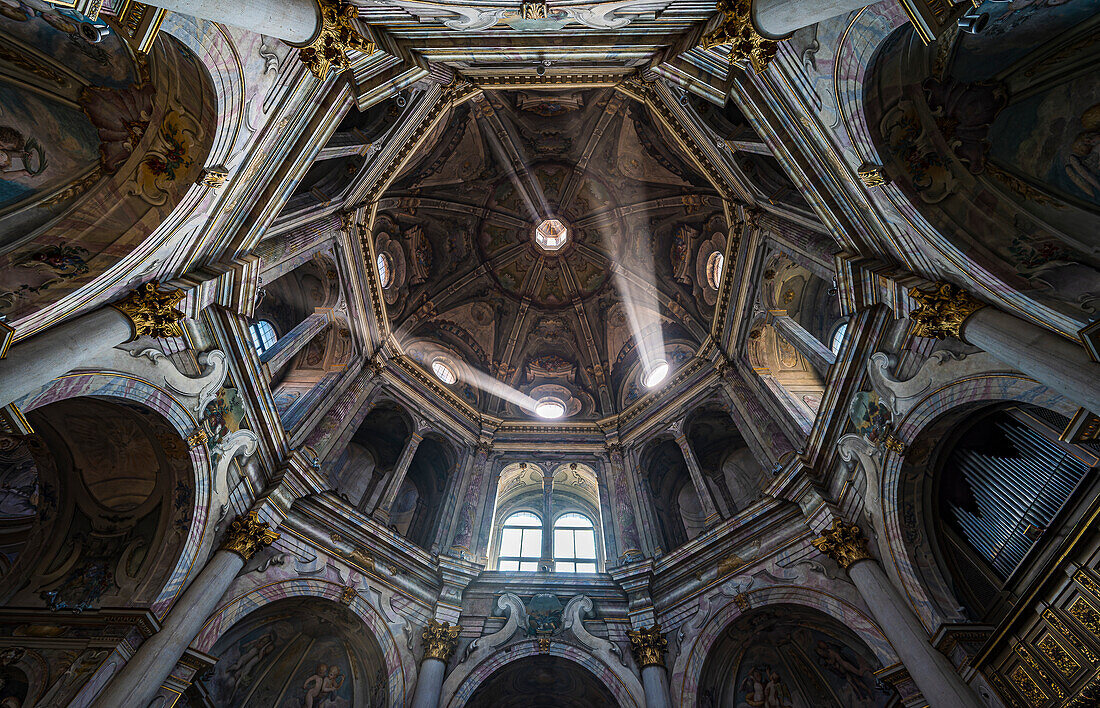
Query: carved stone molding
x: 247, y: 534
x: 844, y: 543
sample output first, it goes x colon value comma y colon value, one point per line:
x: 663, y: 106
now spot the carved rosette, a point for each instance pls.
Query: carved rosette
x: 247, y: 534
x: 337, y: 36
x: 648, y: 645
x: 440, y: 639
x: 152, y: 312
x: 942, y: 311
x: 739, y: 34
x: 844, y: 543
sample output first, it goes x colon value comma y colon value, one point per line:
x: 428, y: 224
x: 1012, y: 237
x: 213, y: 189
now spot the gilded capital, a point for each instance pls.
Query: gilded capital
x: 440, y: 639
x: 648, y: 645
x: 247, y: 534
x: 338, y: 36
x: 844, y: 543
x: 152, y: 312
x: 941, y: 311
x: 739, y: 34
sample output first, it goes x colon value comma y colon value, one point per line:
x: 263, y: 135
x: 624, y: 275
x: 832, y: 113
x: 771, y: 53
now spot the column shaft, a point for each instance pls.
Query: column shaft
x: 809, y: 346
x: 547, y: 521
x: 397, y: 477
x: 292, y: 342
x: 40, y: 359
x: 777, y: 19
x: 141, y: 677
x: 293, y: 21
x: 1051, y: 360
x: 655, y: 685
x: 933, y: 673
x: 626, y: 525
x: 700, y: 484
x: 283, y: 253
x: 429, y: 683
x: 464, y: 526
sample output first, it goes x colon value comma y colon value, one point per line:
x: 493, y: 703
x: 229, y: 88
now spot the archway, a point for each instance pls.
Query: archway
x: 539, y: 681
x: 789, y: 655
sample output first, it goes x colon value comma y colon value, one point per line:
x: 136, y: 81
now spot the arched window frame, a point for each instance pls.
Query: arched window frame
x: 263, y: 335
x: 838, y: 335
x: 521, y: 561
x: 574, y: 563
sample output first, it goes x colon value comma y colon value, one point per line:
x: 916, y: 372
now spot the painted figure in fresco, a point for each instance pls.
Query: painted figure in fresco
x: 252, y: 653
x: 1083, y: 165
x: 322, y: 686
x: 763, y: 687
x: 19, y: 155
x: 853, y: 675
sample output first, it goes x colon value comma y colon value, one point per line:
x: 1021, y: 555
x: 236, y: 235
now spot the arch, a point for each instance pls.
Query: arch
x: 623, y: 685
x: 924, y: 582
x: 686, y: 673
x: 399, y: 665
x: 672, y: 494
x: 134, y: 390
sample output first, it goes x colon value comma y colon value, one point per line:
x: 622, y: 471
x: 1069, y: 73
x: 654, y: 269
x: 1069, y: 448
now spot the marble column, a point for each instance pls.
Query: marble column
x: 37, y: 360
x: 546, y: 562
x: 141, y: 677
x: 706, y: 501
x: 622, y: 505
x: 293, y: 21
x: 946, y: 310
x: 345, y: 143
x: 283, y: 253
x: 649, y: 646
x: 777, y: 19
x: 809, y: 346
x: 440, y: 639
x: 284, y: 349
x: 464, y: 526
x: 397, y: 477
x: 932, y: 672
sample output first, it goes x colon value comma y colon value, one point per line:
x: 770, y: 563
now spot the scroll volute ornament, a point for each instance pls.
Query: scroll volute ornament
x: 440, y: 639
x: 152, y: 312
x: 338, y: 35
x: 942, y: 311
x: 738, y: 33
x: 648, y: 645
x: 247, y: 534
x: 844, y: 543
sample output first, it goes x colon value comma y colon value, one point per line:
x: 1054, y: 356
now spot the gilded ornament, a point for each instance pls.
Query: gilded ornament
x: 894, y: 445
x: 1083, y: 611
x: 1058, y: 657
x: 337, y: 37
x: 214, y: 177
x: 152, y: 312
x: 738, y: 33
x: 440, y: 639
x: 197, y: 438
x: 942, y: 311
x: 1056, y: 622
x: 348, y: 595
x: 543, y: 642
x: 1025, y: 654
x: 844, y: 543
x: 1027, y: 687
x: 871, y: 175
x: 742, y: 601
x: 247, y: 534
x: 648, y: 645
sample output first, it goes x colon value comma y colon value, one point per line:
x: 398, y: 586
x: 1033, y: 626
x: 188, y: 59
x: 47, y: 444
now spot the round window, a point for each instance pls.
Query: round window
x: 715, y: 263
x: 549, y: 407
x: 655, y: 374
x: 444, y: 372
x: 385, y: 269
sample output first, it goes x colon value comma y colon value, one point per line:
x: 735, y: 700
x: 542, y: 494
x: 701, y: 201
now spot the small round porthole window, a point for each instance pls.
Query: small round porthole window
x: 715, y: 263
x: 385, y: 269
x: 550, y: 407
x: 444, y: 372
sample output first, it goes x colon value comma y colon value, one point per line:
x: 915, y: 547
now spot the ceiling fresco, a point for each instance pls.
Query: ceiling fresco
x: 471, y: 282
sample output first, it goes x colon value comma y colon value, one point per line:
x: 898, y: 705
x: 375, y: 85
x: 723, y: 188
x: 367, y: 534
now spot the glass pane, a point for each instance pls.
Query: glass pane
x: 509, y: 565
x: 510, y: 542
x: 563, y: 567
x: 586, y: 567
x: 586, y: 544
x: 525, y: 519
x: 563, y: 543
x: 532, y: 566
x: 573, y: 520
x: 532, y: 543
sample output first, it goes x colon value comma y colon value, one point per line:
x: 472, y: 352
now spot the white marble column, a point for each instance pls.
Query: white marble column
x: 397, y: 477
x: 440, y: 639
x: 932, y: 672
x: 706, y: 501
x: 141, y: 677
x: 547, y: 560
x: 809, y: 346
x: 293, y: 21
x: 777, y: 19
x: 292, y: 342
x: 41, y: 358
x: 945, y: 310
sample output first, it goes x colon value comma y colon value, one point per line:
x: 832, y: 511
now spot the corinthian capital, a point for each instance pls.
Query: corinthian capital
x: 844, y: 543
x: 440, y: 639
x: 247, y: 534
x: 942, y: 310
x: 648, y: 646
x: 151, y: 311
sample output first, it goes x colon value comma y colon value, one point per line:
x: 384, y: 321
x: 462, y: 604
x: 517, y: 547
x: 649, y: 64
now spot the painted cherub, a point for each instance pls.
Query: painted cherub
x: 315, y: 684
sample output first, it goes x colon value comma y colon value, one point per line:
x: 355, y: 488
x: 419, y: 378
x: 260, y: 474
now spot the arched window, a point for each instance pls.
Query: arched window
x: 715, y: 263
x: 574, y: 544
x: 263, y: 335
x: 520, y: 542
x: 385, y: 269
x: 837, y: 339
